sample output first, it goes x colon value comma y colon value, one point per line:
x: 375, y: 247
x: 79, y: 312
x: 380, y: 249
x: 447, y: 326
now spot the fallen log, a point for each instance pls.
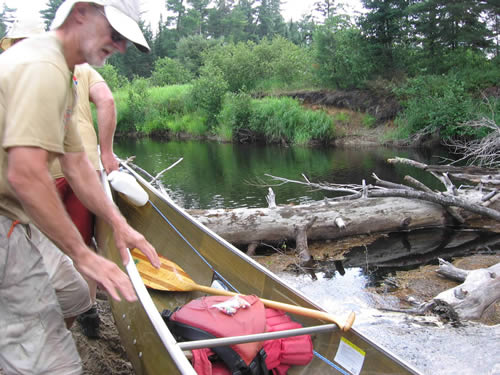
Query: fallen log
x: 479, y: 290
x: 332, y: 219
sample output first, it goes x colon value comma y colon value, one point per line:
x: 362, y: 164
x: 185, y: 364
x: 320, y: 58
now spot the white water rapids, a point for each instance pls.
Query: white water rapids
x: 424, y: 342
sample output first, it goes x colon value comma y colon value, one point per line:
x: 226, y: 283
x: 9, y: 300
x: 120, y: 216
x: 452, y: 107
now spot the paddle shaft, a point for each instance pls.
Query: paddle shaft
x: 284, y: 306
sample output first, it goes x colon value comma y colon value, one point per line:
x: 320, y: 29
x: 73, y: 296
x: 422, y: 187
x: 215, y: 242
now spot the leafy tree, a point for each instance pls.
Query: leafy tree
x: 48, y: 14
x: 199, y: 13
x: 269, y: 20
x: 112, y: 78
x: 169, y: 72
x: 165, y: 40
x: 342, y: 54
x: 238, y: 64
x: 189, y: 51
x: 208, y: 92
x: 133, y: 62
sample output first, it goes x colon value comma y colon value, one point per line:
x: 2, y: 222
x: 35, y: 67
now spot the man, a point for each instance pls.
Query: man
x: 90, y: 87
x: 36, y: 126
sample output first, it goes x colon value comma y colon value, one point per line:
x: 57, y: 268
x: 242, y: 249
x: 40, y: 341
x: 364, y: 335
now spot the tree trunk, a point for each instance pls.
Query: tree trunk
x: 332, y: 220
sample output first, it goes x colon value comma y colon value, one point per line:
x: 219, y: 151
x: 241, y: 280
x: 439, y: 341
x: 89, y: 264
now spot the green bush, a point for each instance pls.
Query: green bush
x: 368, y: 121
x: 342, y: 54
x: 237, y: 63
x: 208, y: 92
x: 168, y: 71
x: 235, y: 114
x: 112, y: 78
x: 283, y: 64
x: 436, y: 102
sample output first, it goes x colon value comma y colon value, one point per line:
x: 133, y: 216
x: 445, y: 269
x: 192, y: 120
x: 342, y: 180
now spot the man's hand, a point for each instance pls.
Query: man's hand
x: 106, y: 274
x: 109, y: 162
x: 128, y: 237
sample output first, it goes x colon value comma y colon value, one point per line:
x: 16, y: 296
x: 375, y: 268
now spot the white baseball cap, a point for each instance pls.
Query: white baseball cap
x: 122, y: 15
x: 20, y: 29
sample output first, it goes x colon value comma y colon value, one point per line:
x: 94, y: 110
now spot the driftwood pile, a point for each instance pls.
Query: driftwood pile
x: 479, y: 290
x: 363, y: 209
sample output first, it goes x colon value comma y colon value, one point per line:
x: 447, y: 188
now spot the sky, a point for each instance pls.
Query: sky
x: 291, y: 9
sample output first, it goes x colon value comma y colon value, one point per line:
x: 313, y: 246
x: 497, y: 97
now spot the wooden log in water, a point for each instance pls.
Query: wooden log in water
x: 479, y: 290
x: 242, y: 226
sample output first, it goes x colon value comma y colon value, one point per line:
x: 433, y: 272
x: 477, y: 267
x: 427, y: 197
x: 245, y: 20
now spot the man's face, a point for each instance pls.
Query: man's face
x: 101, y: 40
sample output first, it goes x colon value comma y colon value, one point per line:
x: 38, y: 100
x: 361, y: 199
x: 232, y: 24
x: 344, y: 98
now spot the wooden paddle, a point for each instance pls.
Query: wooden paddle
x: 171, y: 277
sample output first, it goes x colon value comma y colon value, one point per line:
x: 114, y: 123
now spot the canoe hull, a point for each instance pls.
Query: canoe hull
x: 206, y: 257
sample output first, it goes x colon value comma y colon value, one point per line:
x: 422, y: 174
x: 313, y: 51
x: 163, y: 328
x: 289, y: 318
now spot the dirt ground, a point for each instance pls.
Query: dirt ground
x: 105, y: 355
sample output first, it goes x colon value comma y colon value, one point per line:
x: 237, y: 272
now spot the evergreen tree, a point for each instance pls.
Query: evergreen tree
x: 199, y: 12
x: 6, y: 19
x: 48, y: 14
x: 450, y: 26
x: 177, y: 8
x: 386, y: 24
x: 326, y: 8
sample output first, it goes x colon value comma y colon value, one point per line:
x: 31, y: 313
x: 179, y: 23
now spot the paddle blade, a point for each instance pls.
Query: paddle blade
x: 169, y: 276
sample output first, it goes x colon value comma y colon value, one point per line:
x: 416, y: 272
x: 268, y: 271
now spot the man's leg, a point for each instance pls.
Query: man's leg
x: 33, y: 339
x: 71, y: 288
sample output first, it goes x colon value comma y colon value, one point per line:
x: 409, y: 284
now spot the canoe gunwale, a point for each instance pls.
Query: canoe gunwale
x: 147, y: 303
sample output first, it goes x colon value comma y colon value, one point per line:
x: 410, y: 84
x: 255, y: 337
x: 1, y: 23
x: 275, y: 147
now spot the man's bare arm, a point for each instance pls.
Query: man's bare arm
x: 102, y: 97
x: 29, y: 177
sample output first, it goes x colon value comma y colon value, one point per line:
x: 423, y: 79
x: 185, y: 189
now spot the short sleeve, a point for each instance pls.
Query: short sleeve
x: 40, y: 110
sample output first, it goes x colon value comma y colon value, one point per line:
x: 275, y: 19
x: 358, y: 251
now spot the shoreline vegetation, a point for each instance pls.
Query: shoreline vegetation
x: 303, y: 117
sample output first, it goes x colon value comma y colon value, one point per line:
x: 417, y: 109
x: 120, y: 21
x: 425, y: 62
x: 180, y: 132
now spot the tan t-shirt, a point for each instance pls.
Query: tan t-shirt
x: 36, y: 106
x: 86, y: 77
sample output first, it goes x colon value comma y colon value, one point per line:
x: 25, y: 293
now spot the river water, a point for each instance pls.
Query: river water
x: 217, y: 175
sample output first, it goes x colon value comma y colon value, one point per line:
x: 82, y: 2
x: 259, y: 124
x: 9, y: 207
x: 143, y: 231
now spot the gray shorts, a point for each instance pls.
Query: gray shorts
x: 33, y: 335
x: 71, y: 288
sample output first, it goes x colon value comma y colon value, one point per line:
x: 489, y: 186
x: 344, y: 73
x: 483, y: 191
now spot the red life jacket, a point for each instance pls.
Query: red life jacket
x: 279, y: 354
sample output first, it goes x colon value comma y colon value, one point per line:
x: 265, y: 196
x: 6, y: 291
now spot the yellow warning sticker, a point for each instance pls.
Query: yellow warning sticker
x: 350, y: 356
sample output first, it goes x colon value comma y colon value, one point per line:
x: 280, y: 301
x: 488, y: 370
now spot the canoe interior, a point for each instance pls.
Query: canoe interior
x: 205, y: 257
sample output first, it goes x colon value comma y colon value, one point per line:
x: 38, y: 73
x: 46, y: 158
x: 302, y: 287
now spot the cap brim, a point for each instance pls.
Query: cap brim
x: 127, y: 27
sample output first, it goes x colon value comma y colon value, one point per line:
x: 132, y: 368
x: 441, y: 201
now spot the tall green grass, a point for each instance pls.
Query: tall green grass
x: 285, y: 120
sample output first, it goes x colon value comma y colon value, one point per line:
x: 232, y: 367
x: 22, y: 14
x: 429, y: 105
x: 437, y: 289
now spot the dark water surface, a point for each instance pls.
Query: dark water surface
x: 221, y: 175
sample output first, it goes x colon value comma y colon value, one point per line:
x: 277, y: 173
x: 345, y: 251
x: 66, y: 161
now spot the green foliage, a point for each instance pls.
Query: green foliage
x: 342, y: 55
x: 138, y: 100
x: 342, y: 118
x: 48, y: 14
x: 112, y: 78
x: 284, y: 120
x: 237, y: 63
x: 438, y: 103
x: 169, y: 72
x: 208, y: 92
x: 150, y: 109
x: 189, y: 51
x: 283, y: 62
x: 368, y: 121
x: 236, y: 112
